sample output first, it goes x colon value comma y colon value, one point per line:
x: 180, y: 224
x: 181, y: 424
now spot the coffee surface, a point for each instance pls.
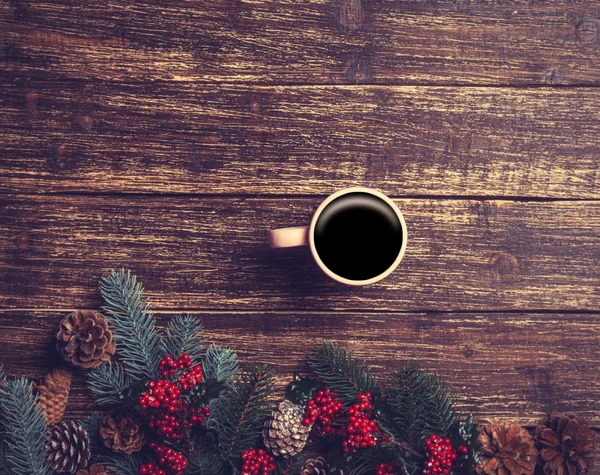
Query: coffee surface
x: 358, y: 236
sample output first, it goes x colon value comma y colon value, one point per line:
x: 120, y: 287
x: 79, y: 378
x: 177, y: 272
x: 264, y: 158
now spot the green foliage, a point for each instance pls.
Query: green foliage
x: 419, y: 404
x: 91, y: 424
x: 184, y: 335
x: 108, y: 382
x: 205, y: 463
x: 22, y: 429
x: 365, y: 461
x: 219, y: 364
x: 290, y: 466
x: 130, y: 316
x: 341, y: 372
x: 464, y: 431
x: 301, y: 390
x: 239, y: 414
x: 128, y: 465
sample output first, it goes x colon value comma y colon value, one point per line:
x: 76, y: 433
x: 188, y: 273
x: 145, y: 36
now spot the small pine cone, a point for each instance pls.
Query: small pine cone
x: 507, y: 449
x: 54, y: 394
x: 285, y: 435
x: 96, y: 469
x: 122, y: 433
x: 68, y: 448
x: 319, y: 466
x: 568, y: 445
x: 84, y: 339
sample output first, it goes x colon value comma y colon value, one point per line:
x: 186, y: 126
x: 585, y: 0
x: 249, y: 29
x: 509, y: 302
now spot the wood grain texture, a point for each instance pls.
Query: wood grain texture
x: 182, y: 138
x: 317, y: 41
x: 212, y: 253
x: 517, y: 366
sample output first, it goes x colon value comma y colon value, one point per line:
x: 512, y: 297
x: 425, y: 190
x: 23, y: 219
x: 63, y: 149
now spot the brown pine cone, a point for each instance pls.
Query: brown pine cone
x: 122, y: 433
x: 319, y: 466
x: 568, y: 445
x: 84, y: 339
x: 54, y: 394
x: 68, y: 448
x: 96, y: 469
x: 285, y: 435
x: 507, y: 449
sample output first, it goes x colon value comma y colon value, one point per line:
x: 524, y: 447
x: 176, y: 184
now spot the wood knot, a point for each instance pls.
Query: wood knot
x: 31, y: 103
x: 504, y: 267
x: 22, y: 241
x: 82, y: 123
x: 63, y: 157
x: 586, y: 31
x: 553, y: 76
x: 358, y: 70
x: 348, y: 14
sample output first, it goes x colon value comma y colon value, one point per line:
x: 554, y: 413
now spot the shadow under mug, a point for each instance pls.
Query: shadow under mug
x: 367, y: 228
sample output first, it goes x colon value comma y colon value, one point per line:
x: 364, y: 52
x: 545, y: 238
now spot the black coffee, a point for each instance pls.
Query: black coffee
x: 358, y: 236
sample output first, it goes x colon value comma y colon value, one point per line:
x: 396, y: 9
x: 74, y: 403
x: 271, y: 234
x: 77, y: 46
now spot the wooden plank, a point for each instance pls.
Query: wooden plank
x: 515, y: 366
x: 198, y: 252
x: 183, y: 138
x: 290, y: 41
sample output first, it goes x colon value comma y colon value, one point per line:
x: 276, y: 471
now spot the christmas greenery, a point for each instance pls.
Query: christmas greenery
x: 184, y: 335
x: 219, y: 364
x: 108, y: 383
x: 22, y: 430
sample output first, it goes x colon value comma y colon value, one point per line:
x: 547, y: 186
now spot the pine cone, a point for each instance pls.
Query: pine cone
x: 68, y: 448
x: 122, y: 433
x: 568, y: 445
x: 84, y: 340
x: 285, y: 435
x: 96, y: 469
x: 54, y: 393
x: 507, y: 449
x: 319, y: 466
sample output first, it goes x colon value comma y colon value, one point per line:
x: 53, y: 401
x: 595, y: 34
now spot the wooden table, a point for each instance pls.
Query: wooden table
x: 168, y: 137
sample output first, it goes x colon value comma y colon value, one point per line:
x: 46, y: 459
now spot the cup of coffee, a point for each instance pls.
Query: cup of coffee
x: 357, y: 236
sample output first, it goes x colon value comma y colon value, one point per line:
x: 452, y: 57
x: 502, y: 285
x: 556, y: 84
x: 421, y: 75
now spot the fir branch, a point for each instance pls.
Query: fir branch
x: 139, y: 344
x: 366, y: 461
x: 205, y: 463
x: 419, y: 404
x: 23, y: 428
x: 108, y: 382
x: 290, y: 466
x: 91, y: 425
x: 123, y: 464
x: 240, y: 413
x: 340, y: 372
x: 184, y: 335
x: 219, y: 364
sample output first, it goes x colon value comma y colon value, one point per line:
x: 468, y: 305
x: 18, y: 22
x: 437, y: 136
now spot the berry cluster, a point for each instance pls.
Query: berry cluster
x: 197, y: 416
x: 257, y: 462
x: 389, y: 468
x: 322, y: 411
x: 170, y: 462
x: 161, y: 394
x: 167, y: 426
x: 441, y: 456
x: 168, y: 366
x: 361, y: 426
x: 190, y: 379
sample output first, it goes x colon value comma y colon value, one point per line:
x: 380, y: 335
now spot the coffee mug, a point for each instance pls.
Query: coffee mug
x: 357, y: 236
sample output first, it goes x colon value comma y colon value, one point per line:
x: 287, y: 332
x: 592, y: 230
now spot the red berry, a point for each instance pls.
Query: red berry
x: 322, y: 411
x: 257, y: 462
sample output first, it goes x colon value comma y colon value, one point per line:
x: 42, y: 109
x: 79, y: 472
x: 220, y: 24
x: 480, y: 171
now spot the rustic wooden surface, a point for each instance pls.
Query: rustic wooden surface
x: 168, y: 137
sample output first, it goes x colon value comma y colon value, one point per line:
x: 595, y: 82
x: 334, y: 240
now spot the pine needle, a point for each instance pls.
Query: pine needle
x: 123, y: 464
x: 184, y: 335
x: 341, y: 372
x: 219, y: 364
x: 23, y: 429
x: 91, y: 425
x: 108, y: 382
x: 139, y: 344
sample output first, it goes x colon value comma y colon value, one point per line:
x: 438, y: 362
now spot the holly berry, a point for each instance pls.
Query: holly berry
x: 257, y: 462
x: 441, y: 456
x: 389, y: 468
x: 462, y: 449
x: 197, y: 416
x: 191, y: 378
x: 170, y: 462
x: 322, y: 411
x: 161, y: 394
x: 361, y: 427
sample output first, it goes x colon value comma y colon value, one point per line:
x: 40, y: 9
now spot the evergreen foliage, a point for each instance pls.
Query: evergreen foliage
x: 22, y: 429
x: 240, y: 413
x: 108, y: 382
x: 366, y: 461
x: 206, y: 463
x: 129, y: 465
x: 219, y: 364
x: 290, y: 466
x: 91, y: 425
x: 419, y: 404
x: 130, y: 316
x: 184, y: 335
x: 342, y: 373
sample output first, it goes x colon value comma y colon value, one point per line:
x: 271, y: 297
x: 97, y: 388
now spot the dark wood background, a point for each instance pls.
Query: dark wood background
x: 169, y: 136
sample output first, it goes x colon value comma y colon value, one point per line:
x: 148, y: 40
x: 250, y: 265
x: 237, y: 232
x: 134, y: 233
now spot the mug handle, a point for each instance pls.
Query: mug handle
x: 289, y: 237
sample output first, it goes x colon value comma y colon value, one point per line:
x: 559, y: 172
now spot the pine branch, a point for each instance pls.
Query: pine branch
x: 205, y: 463
x: 219, y: 364
x: 419, y: 404
x: 130, y: 316
x: 23, y: 428
x: 184, y: 335
x: 340, y: 372
x: 123, y: 464
x: 91, y: 425
x: 241, y: 412
x: 108, y: 382
x: 290, y: 466
x: 366, y: 461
